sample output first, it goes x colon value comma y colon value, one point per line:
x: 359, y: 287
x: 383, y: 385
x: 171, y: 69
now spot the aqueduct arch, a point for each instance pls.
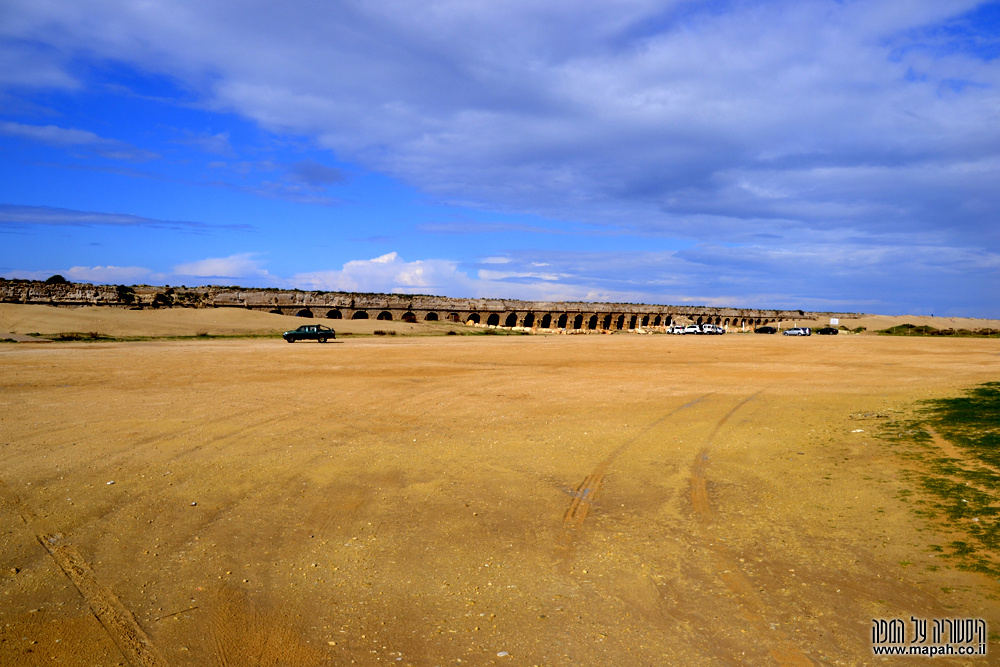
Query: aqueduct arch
x: 499, y: 312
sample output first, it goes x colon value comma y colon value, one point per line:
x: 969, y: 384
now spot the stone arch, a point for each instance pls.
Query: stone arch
x: 621, y: 322
x: 668, y: 320
x: 493, y: 320
x: 561, y: 324
x: 275, y: 311
x: 360, y: 315
x: 433, y: 317
x: 578, y: 322
x: 657, y: 320
x: 474, y: 318
x: 607, y: 321
x: 645, y: 320
x: 632, y: 321
x: 305, y: 312
x: 454, y: 317
x: 334, y: 314
x: 592, y: 323
x: 409, y: 317
x: 529, y: 320
x: 511, y: 320
x: 384, y: 315
x: 546, y: 321
x: 699, y: 320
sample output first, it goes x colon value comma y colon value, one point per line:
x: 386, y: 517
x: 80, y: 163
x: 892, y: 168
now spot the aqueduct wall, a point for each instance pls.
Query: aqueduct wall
x: 405, y: 307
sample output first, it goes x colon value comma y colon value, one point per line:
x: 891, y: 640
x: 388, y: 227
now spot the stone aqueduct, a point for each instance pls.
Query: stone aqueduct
x: 499, y: 312
x: 400, y: 307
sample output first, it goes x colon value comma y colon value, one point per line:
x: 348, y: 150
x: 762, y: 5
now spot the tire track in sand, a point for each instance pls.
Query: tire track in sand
x: 113, y: 616
x: 587, y: 491
x: 783, y: 651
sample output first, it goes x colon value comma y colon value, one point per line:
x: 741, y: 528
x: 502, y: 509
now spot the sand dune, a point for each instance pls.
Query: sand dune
x: 24, y: 319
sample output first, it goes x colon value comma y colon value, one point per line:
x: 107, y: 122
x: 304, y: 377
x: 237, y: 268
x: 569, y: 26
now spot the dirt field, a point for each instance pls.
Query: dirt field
x: 584, y: 500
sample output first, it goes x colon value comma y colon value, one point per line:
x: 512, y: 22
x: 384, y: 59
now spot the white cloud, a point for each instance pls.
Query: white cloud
x: 235, y: 266
x: 11, y: 214
x: 387, y: 273
x: 108, y: 274
x: 495, y: 260
x: 52, y: 135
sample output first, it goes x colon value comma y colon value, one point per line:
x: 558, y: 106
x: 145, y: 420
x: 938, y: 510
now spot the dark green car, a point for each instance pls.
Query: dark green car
x: 310, y: 332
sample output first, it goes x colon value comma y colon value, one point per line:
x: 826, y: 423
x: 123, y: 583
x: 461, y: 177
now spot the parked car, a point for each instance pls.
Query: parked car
x: 827, y: 331
x: 692, y: 329
x: 310, y: 332
x: 714, y: 329
x: 765, y: 330
x: 798, y: 331
x: 675, y: 329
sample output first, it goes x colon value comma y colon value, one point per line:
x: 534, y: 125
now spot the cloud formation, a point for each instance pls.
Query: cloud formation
x: 243, y: 265
x: 11, y: 214
x: 821, y: 114
x: 52, y: 135
x: 128, y: 275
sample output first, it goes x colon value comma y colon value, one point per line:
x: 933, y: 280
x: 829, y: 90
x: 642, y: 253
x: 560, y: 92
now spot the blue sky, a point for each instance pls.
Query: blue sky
x: 815, y: 154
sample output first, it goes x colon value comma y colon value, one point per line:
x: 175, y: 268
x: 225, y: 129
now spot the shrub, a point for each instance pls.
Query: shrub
x: 56, y: 280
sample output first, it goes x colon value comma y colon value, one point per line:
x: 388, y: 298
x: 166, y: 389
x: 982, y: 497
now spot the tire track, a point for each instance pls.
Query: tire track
x: 783, y: 651
x: 587, y: 491
x: 113, y: 616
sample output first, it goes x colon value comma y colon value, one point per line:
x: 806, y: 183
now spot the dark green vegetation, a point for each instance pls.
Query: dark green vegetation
x: 96, y: 337
x: 924, y: 330
x: 957, y: 473
x: 56, y: 280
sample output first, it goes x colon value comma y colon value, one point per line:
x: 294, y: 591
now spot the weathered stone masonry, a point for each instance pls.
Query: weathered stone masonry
x: 405, y: 307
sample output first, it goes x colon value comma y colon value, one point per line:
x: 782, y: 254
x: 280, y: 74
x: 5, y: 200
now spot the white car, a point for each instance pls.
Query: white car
x: 692, y: 329
x: 798, y: 331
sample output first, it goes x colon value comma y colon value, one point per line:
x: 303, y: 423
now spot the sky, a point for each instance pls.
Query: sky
x: 833, y: 155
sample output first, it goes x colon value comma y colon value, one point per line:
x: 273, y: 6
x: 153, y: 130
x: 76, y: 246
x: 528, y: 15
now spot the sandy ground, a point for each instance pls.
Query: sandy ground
x: 115, y: 322
x: 535, y: 500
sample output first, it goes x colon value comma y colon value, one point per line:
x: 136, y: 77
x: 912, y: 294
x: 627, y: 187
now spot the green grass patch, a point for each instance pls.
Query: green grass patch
x: 959, y: 496
x: 924, y: 330
x: 94, y: 337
